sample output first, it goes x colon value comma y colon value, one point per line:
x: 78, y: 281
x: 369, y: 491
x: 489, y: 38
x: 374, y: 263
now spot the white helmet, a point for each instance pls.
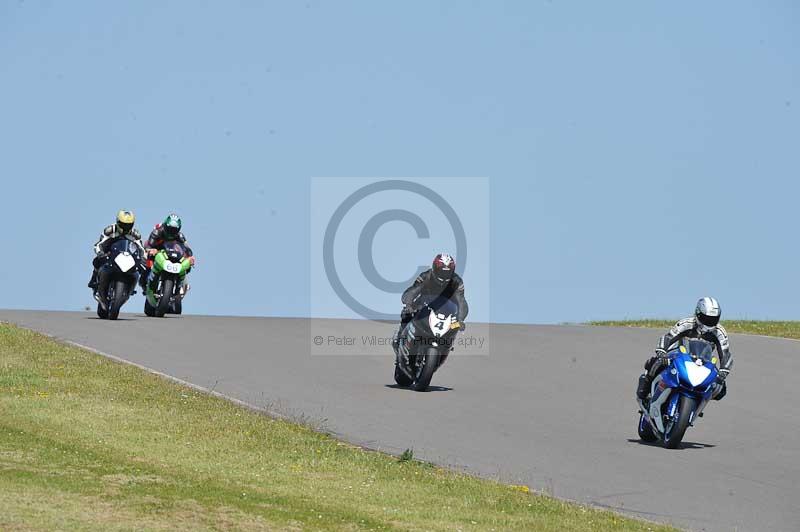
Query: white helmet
x: 707, y: 313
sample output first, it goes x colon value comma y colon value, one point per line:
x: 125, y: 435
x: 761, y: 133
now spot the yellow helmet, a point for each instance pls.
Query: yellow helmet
x: 125, y: 221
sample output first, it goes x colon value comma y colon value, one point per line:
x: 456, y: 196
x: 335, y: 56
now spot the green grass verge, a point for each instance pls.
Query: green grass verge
x: 780, y: 329
x: 90, y: 444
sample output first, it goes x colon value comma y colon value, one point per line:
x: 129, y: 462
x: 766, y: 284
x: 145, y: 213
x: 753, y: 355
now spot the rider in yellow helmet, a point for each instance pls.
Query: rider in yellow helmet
x: 122, y: 228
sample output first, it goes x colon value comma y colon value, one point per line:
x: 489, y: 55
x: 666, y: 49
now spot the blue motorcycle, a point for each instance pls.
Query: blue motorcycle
x: 679, y: 393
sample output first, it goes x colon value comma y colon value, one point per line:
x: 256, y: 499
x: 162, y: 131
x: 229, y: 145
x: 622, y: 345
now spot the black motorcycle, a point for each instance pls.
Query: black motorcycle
x: 425, y: 343
x: 116, y: 278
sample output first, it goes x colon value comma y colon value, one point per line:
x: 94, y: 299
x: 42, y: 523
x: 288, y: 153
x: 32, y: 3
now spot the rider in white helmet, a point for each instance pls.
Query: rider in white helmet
x: 704, y: 325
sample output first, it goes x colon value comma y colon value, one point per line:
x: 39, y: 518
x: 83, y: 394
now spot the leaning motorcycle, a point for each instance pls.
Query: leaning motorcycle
x: 166, y: 287
x: 116, y: 279
x: 679, y: 393
x: 425, y: 342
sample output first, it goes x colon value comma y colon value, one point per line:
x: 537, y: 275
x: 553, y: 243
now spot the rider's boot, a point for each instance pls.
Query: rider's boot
x: 643, y: 389
x: 720, y: 392
x: 93, y: 281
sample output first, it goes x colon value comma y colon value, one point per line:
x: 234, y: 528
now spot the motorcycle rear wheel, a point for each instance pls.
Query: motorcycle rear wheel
x: 645, y: 430
x: 401, y: 378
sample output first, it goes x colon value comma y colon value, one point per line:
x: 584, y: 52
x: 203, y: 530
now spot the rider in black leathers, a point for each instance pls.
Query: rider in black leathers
x: 440, y: 280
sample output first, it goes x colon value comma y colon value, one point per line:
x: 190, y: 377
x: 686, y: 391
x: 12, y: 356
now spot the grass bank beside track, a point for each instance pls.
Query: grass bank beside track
x: 90, y: 444
x: 778, y: 329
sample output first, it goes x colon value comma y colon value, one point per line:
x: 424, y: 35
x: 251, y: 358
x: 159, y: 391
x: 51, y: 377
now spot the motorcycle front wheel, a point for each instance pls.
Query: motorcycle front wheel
x: 120, y: 296
x: 425, y: 370
x: 674, y: 434
x: 167, y: 286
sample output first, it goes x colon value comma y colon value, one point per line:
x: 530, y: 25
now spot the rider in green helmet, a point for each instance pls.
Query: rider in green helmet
x: 164, y: 234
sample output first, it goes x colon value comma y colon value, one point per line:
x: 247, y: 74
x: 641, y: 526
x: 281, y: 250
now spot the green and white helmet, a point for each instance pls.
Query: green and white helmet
x: 172, y: 226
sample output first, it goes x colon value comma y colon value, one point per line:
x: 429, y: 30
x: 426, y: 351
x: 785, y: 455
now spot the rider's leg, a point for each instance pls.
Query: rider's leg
x: 96, y: 263
x: 405, y: 318
x: 653, y: 366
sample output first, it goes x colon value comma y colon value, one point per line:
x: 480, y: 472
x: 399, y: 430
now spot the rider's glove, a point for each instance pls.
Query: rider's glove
x: 458, y: 325
x: 661, y: 353
x: 722, y: 375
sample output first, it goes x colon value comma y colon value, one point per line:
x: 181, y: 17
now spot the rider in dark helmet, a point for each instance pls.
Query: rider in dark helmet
x: 703, y: 325
x: 440, y: 280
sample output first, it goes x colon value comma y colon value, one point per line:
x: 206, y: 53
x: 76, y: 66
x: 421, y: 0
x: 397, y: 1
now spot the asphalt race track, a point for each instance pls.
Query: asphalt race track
x: 551, y: 407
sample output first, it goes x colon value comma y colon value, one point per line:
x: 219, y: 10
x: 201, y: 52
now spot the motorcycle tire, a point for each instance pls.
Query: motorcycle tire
x: 401, y: 378
x: 645, y: 430
x: 167, y: 286
x: 673, y: 436
x: 120, y: 296
x: 423, y: 378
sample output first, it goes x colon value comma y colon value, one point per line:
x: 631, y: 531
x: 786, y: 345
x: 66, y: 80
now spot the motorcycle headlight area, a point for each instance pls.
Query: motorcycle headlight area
x: 172, y: 267
x: 696, y: 374
x: 439, y: 324
x: 125, y: 261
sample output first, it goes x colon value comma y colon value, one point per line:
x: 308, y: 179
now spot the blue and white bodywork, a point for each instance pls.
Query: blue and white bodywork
x: 679, y: 393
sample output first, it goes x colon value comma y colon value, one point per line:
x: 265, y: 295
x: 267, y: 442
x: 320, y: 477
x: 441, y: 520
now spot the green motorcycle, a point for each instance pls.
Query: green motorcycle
x: 166, y: 285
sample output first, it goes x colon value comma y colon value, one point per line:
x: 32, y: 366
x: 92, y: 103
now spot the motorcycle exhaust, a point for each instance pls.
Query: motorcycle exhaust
x: 100, y: 301
x: 184, y: 289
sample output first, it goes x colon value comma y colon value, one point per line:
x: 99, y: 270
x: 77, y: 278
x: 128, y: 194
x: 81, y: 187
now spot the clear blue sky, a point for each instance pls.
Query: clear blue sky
x: 641, y: 154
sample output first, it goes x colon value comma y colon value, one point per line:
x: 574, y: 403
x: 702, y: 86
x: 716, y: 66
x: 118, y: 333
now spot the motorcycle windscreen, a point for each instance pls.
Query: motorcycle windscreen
x: 443, y: 306
x: 122, y: 245
x: 702, y: 350
x: 174, y: 250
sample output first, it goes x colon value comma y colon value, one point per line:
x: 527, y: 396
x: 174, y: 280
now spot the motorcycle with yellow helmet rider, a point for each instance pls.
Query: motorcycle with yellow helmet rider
x: 122, y: 228
x: 118, y: 262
